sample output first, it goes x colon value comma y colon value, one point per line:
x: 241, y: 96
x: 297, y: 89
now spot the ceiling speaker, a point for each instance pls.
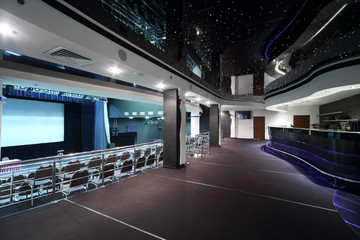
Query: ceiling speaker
x: 122, y: 55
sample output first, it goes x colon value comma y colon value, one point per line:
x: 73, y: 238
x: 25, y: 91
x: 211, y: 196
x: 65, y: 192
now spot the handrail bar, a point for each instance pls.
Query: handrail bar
x: 89, y: 152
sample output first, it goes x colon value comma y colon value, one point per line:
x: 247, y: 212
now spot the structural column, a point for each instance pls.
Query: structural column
x: 174, y: 129
x: 1, y: 103
x: 214, y: 125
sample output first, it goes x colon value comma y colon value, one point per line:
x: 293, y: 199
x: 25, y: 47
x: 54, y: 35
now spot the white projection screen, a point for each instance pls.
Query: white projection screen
x: 26, y: 122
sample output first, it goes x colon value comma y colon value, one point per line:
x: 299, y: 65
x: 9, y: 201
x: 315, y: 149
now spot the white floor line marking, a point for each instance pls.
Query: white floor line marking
x: 263, y: 170
x: 248, y: 193
x: 114, y: 219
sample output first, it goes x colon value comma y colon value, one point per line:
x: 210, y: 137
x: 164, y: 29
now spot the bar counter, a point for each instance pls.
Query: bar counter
x: 333, y: 153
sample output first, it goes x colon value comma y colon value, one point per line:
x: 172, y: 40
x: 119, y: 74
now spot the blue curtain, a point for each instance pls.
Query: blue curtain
x: 100, y: 138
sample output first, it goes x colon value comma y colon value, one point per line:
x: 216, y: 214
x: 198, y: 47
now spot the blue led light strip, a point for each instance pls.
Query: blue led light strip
x: 319, y: 148
x: 312, y: 155
x: 267, y: 48
x: 352, y: 224
x: 337, y: 205
x: 317, y: 169
x: 349, y: 200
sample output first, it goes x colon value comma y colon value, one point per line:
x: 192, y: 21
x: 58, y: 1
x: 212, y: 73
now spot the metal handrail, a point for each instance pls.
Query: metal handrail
x: 51, y: 178
x: 196, y: 146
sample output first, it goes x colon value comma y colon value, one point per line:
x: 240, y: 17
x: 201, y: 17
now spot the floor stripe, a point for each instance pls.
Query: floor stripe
x: 248, y: 193
x: 263, y: 170
x: 114, y: 219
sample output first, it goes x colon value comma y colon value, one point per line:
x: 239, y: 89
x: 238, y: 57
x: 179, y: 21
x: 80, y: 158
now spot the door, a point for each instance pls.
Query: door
x: 259, y: 128
x: 301, y: 121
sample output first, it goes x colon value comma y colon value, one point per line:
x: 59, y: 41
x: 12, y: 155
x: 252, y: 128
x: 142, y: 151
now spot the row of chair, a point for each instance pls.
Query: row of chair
x: 75, y: 175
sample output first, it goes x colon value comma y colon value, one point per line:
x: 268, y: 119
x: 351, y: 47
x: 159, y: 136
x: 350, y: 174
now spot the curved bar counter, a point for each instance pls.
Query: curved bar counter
x: 333, y: 153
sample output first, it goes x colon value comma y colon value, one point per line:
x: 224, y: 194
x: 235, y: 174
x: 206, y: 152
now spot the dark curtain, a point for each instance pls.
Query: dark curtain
x: 100, y: 141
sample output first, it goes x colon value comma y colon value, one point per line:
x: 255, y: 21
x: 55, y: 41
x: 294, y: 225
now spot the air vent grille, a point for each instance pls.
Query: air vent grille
x: 68, y: 56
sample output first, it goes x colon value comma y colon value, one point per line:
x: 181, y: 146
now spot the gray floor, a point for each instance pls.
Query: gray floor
x: 238, y: 192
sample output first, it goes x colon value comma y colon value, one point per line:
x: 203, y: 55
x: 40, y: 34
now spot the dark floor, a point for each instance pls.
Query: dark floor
x: 238, y: 192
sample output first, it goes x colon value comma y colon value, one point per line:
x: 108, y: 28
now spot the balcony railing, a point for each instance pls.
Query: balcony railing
x: 198, y: 146
x: 44, y: 180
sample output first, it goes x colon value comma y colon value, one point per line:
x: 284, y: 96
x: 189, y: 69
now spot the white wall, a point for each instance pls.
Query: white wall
x: 245, y: 128
x: 195, y: 124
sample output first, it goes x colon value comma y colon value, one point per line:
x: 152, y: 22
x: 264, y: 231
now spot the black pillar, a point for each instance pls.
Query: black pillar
x: 214, y: 125
x: 172, y: 124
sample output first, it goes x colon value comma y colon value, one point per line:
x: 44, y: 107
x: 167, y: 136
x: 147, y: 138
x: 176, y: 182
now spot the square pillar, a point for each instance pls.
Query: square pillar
x: 214, y: 125
x: 174, y: 129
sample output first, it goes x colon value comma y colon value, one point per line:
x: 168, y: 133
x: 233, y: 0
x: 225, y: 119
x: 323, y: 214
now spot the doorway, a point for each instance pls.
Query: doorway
x: 301, y: 121
x: 259, y: 128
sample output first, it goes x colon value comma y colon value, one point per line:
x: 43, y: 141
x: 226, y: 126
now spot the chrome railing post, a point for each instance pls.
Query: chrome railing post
x: 11, y: 184
x: 134, y: 164
x: 53, y: 180
x: 102, y: 169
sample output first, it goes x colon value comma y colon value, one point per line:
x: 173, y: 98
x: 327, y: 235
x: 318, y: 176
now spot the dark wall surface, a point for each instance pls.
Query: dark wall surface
x: 225, y: 123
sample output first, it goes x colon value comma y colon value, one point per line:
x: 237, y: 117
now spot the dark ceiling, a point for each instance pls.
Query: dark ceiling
x: 242, y: 30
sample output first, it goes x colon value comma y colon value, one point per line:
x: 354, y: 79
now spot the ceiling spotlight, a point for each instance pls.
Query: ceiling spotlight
x: 208, y: 102
x: 187, y: 94
x: 198, y: 99
x: 161, y: 86
x: 131, y: 117
x: 6, y: 30
x: 115, y: 70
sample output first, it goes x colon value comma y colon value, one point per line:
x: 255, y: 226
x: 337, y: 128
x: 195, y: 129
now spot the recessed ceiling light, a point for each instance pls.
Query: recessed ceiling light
x: 147, y: 117
x: 131, y: 117
x: 160, y: 86
x: 115, y: 70
x: 208, y: 102
x: 187, y: 94
x: 198, y: 99
x: 6, y: 30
